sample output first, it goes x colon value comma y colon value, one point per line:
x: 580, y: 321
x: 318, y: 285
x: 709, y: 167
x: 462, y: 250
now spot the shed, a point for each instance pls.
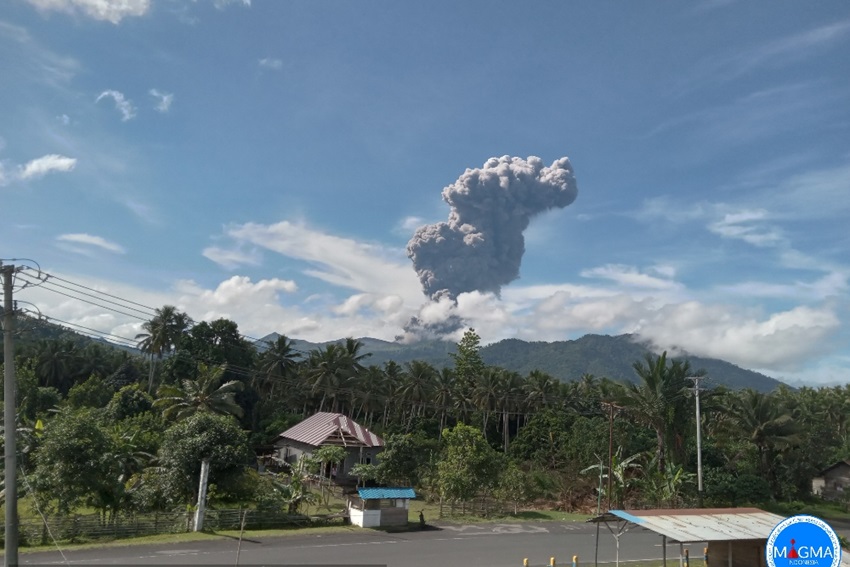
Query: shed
x: 735, y: 537
x: 380, y: 507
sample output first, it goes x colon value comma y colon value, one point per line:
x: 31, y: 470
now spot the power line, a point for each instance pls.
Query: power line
x: 130, y: 342
x: 55, y: 277
x: 149, y: 311
x: 134, y: 316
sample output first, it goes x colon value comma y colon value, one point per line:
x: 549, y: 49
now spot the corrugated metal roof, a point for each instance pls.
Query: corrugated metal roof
x: 332, y: 428
x: 700, y: 525
x: 385, y: 493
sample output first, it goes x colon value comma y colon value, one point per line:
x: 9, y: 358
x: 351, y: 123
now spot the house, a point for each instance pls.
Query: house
x: 380, y: 507
x: 334, y: 429
x: 831, y: 482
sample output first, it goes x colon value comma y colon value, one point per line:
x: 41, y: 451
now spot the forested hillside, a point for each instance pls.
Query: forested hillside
x: 599, y: 355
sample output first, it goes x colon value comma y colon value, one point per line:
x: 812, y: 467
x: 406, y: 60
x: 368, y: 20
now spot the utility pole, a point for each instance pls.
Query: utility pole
x: 9, y: 420
x: 200, y: 510
x: 611, y: 406
x: 695, y: 380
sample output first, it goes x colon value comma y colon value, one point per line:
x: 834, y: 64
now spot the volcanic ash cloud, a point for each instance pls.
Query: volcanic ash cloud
x: 481, y: 245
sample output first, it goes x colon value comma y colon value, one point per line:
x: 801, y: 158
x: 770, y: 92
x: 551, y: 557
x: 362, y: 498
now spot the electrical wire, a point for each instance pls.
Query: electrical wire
x: 40, y: 513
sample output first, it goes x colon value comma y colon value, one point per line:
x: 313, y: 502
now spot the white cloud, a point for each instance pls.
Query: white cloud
x: 815, y: 194
x: 91, y: 240
x: 833, y: 284
x: 629, y: 276
x: 783, y: 340
x: 27, y: 61
x: 749, y: 226
x: 165, y: 100
x: 107, y: 10
x: 794, y: 46
x: 336, y: 260
x: 64, y: 119
x: 231, y: 259
x: 124, y: 106
x: 4, y: 178
x: 40, y: 167
x: 271, y: 63
x: 221, y: 4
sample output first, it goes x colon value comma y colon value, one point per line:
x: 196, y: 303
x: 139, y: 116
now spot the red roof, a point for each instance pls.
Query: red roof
x: 325, y: 428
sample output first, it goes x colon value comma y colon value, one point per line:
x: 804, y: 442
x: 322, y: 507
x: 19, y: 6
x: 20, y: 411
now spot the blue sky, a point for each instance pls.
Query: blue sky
x: 269, y: 162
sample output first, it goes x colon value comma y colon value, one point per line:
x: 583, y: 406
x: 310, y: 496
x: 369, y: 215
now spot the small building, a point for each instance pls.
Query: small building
x: 832, y: 482
x: 732, y: 537
x: 380, y: 507
x: 336, y: 429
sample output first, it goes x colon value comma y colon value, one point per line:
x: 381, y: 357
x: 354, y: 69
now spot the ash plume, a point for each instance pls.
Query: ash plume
x: 481, y: 245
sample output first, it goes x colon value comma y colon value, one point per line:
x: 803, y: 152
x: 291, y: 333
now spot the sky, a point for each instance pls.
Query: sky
x: 280, y: 164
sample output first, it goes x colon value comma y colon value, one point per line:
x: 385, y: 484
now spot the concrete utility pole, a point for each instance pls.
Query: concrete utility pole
x: 9, y: 420
x: 695, y: 380
x: 611, y: 406
x: 202, y: 495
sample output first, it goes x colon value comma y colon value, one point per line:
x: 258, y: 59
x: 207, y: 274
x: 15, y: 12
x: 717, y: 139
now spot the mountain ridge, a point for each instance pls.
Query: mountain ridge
x: 601, y: 355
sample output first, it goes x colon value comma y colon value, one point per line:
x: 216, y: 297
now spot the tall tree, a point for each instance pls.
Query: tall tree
x: 468, y: 465
x: 277, y: 365
x: 659, y: 401
x: 468, y: 364
x: 162, y: 334
x: 767, y: 425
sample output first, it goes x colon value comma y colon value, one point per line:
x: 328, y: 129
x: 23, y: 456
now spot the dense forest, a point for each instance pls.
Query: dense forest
x: 104, y: 428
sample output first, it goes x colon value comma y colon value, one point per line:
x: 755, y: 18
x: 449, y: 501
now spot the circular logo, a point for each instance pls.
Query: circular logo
x: 801, y: 541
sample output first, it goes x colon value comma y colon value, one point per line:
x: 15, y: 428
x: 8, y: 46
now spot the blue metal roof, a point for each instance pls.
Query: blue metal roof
x: 385, y: 493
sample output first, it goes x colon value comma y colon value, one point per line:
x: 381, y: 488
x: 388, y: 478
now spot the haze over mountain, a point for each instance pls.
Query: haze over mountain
x: 600, y: 355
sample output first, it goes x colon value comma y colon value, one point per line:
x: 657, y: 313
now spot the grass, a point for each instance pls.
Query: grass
x: 188, y: 537
x: 824, y: 510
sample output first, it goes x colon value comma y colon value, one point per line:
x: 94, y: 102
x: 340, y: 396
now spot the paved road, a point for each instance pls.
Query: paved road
x: 472, y: 545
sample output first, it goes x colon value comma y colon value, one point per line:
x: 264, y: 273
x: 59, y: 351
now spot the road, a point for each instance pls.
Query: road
x: 471, y: 545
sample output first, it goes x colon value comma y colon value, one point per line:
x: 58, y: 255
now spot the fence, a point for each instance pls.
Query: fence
x: 96, y: 526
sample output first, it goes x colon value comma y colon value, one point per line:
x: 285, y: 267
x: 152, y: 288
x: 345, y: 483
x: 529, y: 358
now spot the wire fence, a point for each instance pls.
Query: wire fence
x: 79, y: 527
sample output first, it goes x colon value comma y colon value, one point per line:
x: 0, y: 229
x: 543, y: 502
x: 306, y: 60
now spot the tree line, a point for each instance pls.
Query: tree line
x: 115, y: 431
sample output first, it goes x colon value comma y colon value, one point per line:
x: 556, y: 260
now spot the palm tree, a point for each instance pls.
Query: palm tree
x: 510, y: 402
x: 394, y: 380
x: 443, y: 394
x: 417, y: 384
x: 658, y: 401
x: 207, y: 393
x: 486, y: 393
x: 327, y: 373
x: 540, y: 390
x: 369, y: 393
x: 162, y: 334
x: 52, y: 361
x: 277, y: 363
x: 766, y: 424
